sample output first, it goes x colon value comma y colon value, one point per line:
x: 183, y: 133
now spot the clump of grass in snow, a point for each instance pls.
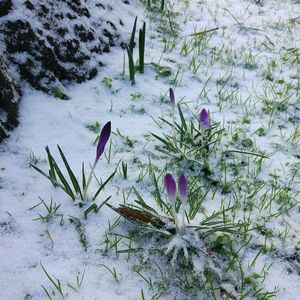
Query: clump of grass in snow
x: 187, y: 246
x: 199, y: 145
x: 130, y: 47
x: 147, y: 217
x: 51, y: 211
x: 142, y: 38
x: 247, y: 195
x: 57, y: 287
x: 58, y: 93
x: 189, y: 141
x: 75, y: 189
x: 93, y: 127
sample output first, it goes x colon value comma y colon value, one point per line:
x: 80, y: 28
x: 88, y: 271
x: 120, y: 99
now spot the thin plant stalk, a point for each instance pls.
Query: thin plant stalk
x: 173, y: 125
x: 142, y: 34
x: 131, y: 42
x: 89, y: 180
x: 103, y: 138
x: 183, y: 225
x: 182, y: 186
x: 131, y: 65
x: 172, y: 101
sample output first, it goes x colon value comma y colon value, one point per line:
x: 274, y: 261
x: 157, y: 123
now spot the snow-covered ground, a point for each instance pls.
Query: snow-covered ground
x: 245, y: 69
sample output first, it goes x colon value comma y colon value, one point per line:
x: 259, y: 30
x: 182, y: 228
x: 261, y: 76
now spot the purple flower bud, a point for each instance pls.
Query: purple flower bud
x: 170, y: 186
x: 204, y: 119
x: 172, y: 96
x: 182, y: 186
x: 104, y: 136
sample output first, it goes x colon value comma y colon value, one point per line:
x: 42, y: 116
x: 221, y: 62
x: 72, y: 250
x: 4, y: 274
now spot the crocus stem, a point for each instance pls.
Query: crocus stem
x: 89, y: 180
x: 182, y: 229
x: 201, y: 135
x: 174, y: 214
x: 173, y: 127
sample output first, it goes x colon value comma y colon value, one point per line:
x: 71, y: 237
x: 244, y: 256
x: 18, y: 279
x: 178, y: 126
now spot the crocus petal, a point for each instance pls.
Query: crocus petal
x: 172, y: 96
x: 170, y: 186
x: 182, y: 186
x: 204, y: 119
x: 104, y: 136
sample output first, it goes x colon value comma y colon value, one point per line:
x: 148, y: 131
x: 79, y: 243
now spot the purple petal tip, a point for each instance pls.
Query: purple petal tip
x: 204, y: 119
x: 182, y: 186
x: 172, y: 96
x: 104, y: 136
x: 170, y: 186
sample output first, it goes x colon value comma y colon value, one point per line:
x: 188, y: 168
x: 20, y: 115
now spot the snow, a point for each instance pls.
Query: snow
x: 27, y: 244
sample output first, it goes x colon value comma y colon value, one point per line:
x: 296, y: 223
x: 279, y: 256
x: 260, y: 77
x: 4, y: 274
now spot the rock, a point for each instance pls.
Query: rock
x: 50, y: 44
x: 5, y: 7
x: 3, y: 134
x: 60, y: 41
x: 9, y: 101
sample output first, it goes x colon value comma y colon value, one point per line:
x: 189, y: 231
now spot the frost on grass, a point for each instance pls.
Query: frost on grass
x: 239, y: 61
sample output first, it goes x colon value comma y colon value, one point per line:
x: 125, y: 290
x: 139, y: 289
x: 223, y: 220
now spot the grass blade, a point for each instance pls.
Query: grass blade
x: 70, y: 172
x: 141, y: 201
x: 131, y: 42
x: 131, y: 65
x: 63, y: 180
x: 162, y: 204
x: 104, y: 184
x: 182, y: 118
x: 54, y: 182
x: 142, y: 34
x: 83, y: 177
x: 50, y: 160
x: 94, y: 207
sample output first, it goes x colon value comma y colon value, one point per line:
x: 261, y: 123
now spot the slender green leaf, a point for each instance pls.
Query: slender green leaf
x: 164, y: 141
x: 63, y: 180
x: 182, y: 118
x: 104, y: 184
x: 51, y: 179
x: 47, y: 293
x: 142, y: 36
x: 158, y: 198
x: 131, y: 65
x: 246, y: 152
x: 94, y: 207
x: 141, y: 201
x: 83, y: 177
x: 131, y: 42
x: 70, y: 172
x: 56, y: 284
x: 50, y: 160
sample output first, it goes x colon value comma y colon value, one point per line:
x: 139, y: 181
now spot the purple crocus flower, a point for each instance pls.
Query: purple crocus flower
x: 182, y: 186
x: 170, y: 186
x: 103, y: 138
x: 204, y: 119
x: 172, y: 96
